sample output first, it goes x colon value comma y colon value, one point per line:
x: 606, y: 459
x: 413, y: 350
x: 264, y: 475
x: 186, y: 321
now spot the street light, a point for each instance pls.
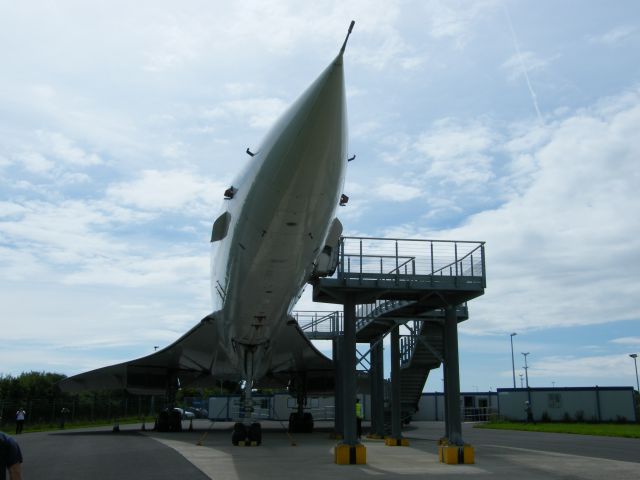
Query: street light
x: 526, y: 368
x: 635, y: 361
x: 513, y: 365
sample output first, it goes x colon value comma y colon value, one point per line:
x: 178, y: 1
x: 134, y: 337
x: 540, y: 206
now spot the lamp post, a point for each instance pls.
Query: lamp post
x: 513, y: 365
x: 635, y: 361
x: 526, y: 368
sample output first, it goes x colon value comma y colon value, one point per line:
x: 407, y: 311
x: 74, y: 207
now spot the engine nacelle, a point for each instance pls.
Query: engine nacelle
x: 327, y: 261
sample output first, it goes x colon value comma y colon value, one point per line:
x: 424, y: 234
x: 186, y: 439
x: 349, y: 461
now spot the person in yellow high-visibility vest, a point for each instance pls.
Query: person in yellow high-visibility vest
x: 359, y: 417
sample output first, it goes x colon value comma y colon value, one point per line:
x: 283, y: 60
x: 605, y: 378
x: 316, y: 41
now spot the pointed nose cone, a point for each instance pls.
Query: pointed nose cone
x: 311, y: 136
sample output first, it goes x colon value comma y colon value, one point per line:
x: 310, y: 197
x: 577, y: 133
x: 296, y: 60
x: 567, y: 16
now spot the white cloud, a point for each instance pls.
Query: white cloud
x: 66, y: 232
x: 449, y: 139
x: 260, y: 112
x: 389, y: 47
x: 365, y: 129
x: 65, y: 149
x: 412, y: 63
x: 8, y: 209
x: 36, y: 163
x: 242, y: 89
x: 455, y: 20
x: 516, y: 65
x: 614, y: 36
x: 617, y: 366
x: 631, y: 341
x: 256, y: 112
x: 175, y: 190
x: 178, y: 40
x: 398, y: 148
x: 458, y: 153
x: 396, y: 192
x: 130, y: 271
x: 556, y: 252
x: 174, y: 150
x: 74, y: 178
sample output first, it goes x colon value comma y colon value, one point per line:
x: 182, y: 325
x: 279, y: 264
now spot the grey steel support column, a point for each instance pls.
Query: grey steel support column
x: 348, y: 357
x: 452, y: 377
x: 377, y: 389
x: 444, y: 391
x: 395, y: 383
x: 339, y: 396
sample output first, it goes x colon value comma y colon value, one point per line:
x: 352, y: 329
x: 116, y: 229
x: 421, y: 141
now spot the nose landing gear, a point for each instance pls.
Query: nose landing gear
x: 246, y: 435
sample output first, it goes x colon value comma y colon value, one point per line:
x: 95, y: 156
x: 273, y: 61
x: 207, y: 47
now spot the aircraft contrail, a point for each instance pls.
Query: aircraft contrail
x: 534, y: 97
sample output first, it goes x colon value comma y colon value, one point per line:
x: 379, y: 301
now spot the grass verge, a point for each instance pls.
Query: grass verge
x: 627, y: 430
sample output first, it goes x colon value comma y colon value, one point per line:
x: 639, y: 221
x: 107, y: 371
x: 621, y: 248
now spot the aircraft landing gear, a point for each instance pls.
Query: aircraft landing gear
x: 300, y: 422
x: 246, y: 435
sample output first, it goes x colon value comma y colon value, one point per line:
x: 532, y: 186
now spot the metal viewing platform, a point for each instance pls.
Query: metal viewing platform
x: 421, y: 286
x: 433, y: 273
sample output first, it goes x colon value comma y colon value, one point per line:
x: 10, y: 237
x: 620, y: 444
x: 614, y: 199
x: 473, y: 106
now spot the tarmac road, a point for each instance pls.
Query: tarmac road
x: 100, y: 454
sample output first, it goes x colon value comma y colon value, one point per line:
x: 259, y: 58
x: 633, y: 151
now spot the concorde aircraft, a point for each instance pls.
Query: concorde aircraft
x: 277, y: 230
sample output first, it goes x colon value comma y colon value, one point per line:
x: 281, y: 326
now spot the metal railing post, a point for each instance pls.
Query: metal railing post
x: 455, y: 252
x: 360, y: 260
x: 432, y: 269
x: 397, y: 269
x: 484, y: 273
x: 341, y: 272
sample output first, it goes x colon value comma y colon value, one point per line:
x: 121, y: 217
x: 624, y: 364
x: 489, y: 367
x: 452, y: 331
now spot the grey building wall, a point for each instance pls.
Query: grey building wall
x: 598, y: 404
x: 279, y: 406
x: 473, y: 405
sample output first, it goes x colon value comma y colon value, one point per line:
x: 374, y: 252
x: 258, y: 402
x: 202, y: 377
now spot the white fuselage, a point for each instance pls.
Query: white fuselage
x: 280, y: 214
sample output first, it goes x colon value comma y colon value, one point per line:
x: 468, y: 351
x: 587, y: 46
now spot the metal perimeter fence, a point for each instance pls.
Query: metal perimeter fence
x: 86, y: 408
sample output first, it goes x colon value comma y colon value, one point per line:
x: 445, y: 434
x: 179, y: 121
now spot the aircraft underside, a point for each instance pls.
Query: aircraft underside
x: 277, y: 224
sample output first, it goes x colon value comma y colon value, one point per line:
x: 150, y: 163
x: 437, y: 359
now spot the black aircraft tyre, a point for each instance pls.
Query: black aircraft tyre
x: 300, y: 423
x: 162, y: 422
x: 293, y: 422
x: 239, y: 433
x: 255, y: 433
x: 175, y: 421
x: 307, y: 423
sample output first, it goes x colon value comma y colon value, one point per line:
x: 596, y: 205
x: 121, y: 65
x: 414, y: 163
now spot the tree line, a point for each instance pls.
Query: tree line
x: 38, y: 394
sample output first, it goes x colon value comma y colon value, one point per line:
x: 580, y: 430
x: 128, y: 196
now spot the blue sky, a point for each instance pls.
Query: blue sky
x: 512, y: 122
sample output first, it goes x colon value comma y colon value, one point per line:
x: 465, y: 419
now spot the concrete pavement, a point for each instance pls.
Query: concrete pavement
x: 100, y: 454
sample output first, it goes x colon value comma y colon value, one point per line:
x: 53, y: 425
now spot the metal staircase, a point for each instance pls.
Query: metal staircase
x: 421, y: 350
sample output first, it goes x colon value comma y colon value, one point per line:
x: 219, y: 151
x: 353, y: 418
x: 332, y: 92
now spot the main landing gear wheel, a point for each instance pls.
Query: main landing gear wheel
x: 255, y: 433
x: 239, y: 433
x: 300, y: 423
x: 247, y: 434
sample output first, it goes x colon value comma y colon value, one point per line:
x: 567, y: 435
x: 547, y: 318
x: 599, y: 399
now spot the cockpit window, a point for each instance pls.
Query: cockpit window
x: 220, y: 227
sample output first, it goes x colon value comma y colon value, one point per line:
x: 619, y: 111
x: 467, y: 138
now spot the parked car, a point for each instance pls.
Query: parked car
x: 184, y: 414
x: 198, y: 412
